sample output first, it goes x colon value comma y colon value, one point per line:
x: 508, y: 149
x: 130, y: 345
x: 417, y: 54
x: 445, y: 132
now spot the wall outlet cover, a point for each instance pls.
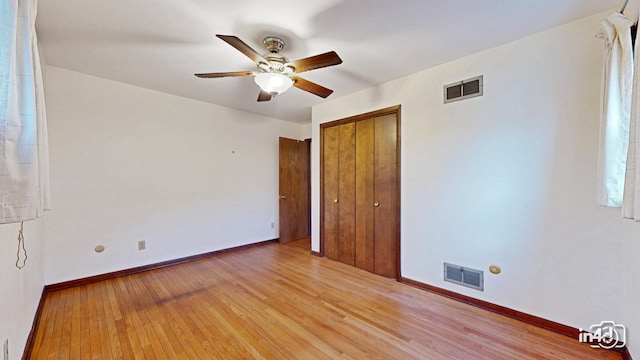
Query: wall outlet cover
x: 142, y: 244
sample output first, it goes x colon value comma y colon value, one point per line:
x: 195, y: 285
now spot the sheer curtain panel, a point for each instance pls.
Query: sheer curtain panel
x: 631, y: 201
x: 24, y: 158
x: 617, y: 79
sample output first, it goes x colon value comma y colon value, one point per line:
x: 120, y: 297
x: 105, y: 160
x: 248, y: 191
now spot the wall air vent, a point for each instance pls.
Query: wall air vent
x: 463, y: 89
x: 464, y: 276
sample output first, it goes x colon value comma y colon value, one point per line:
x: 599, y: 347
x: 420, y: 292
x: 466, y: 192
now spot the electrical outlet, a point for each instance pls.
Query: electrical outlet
x: 5, y: 349
x: 273, y: 225
x: 142, y: 244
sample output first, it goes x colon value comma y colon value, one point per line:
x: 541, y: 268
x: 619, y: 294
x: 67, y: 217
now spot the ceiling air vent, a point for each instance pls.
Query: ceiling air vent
x: 464, y: 276
x: 463, y: 89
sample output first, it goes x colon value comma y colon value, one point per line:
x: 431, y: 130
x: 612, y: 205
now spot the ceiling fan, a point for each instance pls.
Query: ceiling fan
x: 276, y: 74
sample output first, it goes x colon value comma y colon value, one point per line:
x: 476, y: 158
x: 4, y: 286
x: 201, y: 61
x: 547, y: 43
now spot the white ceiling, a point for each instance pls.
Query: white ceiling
x: 160, y: 44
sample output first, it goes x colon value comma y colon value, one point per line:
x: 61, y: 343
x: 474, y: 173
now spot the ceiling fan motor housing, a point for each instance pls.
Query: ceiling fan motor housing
x: 276, y: 62
x: 276, y: 65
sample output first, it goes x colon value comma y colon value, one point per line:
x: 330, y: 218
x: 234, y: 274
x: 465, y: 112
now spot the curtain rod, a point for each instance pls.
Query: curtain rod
x: 624, y: 6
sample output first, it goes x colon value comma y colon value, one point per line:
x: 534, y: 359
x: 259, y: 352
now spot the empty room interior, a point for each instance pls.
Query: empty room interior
x: 335, y: 179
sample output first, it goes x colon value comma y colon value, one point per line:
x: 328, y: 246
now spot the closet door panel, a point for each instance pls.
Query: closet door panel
x: 364, y: 236
x: 331, y: 213
x: 387, y: 224
x: 361, y: 192
x: 347, y: 194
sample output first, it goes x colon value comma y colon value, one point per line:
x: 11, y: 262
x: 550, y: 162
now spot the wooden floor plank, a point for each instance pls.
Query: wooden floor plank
x: 58, y: 312
x: 77, y: 325
x: 279, y: 302
x: 92, y: 323
x: 106, y: 348
x: 85, y: 336
x: 128, y: 336
x: 47, y: 322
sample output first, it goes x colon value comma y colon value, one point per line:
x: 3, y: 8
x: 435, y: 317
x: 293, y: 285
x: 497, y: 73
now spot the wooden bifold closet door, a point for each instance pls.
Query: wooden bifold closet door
x: 339, y: 182
x: 360, y: 198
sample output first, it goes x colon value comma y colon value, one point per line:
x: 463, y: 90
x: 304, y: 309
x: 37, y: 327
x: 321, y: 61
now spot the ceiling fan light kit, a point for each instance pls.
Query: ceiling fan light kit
x: 273, y: 83
x: 276, y: 74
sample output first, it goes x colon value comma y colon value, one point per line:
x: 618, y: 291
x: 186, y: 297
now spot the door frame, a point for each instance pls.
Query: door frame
x: 392, y: 110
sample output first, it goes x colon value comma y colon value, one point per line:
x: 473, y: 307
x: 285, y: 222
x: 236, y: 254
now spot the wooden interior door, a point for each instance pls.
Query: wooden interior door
x: 387, y: 202
x: 339, y: 193
x: 294, y: 190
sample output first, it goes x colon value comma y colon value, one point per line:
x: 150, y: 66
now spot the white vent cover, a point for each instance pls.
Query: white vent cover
x: 464, y: 89
x: 464, y: 276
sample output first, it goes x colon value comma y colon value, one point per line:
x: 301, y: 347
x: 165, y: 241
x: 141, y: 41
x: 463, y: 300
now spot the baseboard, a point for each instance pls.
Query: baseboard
x: 529, y: 319
x: 139, y: 269
x: 505, y: 311
x: 36, y: 322
x: 315, y: 253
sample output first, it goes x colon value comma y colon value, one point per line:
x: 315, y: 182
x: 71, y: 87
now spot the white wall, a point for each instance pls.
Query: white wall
x: 632, y: 288
x: 130, y: 164
x: 20, y: 289
x: 508, y: 178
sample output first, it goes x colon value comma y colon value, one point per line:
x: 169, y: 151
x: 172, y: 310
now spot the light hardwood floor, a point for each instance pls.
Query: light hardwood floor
x: 279, y: 302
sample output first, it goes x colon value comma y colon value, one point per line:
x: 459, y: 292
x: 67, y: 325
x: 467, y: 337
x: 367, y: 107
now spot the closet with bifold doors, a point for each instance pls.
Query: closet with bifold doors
x: 360, y: 191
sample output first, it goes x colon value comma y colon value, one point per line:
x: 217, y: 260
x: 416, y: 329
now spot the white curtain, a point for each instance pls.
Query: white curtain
x: 631, y: 201
x: 617, y: 79
x: 24, y: 158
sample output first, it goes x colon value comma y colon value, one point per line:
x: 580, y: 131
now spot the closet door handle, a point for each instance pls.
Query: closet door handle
x: 282, y: 197
x: 376, y: 204
x: 335, y: 201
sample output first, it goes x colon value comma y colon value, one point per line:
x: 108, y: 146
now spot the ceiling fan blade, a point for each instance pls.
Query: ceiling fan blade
x: 264, y: 96
x: 315, y: 62
x: 224, y: 74
x: 311, y: 87
x: 243, y: 48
